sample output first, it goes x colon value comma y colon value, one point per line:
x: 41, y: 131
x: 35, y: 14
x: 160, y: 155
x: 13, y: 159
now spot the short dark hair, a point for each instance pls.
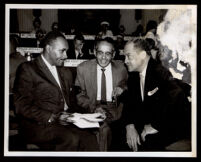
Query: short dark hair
x: 151, y: 25
x: 106, y: 39
x: 79, y: 37
x: 143, y: 44
x: 50, y: 37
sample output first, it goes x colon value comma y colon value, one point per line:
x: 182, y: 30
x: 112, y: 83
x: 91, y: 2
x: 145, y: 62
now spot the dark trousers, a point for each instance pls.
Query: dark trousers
x: 63, y: 138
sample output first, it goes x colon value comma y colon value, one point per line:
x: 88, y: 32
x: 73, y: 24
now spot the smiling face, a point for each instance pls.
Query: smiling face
x: 134, y: 58
x: 56, y: 51
x: 104, y: 53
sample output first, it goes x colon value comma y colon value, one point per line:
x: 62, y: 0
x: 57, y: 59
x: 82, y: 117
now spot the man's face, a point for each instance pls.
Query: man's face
x: 57, y: 51
x: 133, y: 58
x: 104, y: 53
x: 78, y: 44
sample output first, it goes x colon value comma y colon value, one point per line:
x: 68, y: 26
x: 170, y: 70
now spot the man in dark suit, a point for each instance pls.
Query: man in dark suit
x: 78, y: 51
x: 43, y: 94
x: 102, y: 81
x: 155, y: 101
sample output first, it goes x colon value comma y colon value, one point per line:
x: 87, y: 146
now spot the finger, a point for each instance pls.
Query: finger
x: 128, y: 142
x: 142, y: 137
x: 138, y: 140
x: 134, y: 145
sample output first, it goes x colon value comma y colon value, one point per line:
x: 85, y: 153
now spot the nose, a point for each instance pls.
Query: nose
x: 65, y: 55
x: 103, y: 56
x: 126, y: 60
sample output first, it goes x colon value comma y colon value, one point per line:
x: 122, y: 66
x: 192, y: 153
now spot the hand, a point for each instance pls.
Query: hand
x: 132, y: 137
x: 117, y: 91
x: 64, y: 118
x: 101, y: 111
x: 148, y: 129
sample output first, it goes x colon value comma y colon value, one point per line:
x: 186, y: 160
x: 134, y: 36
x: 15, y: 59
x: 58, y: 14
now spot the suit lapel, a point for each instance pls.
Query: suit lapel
x: 44, y: 71
x: 64, y: 87
x: 114, y: 75
x: 94, y: 77
x: 150, y: 78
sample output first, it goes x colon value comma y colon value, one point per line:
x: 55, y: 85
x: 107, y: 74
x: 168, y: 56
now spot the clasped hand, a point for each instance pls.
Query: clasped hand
x: 148, y: 129
x: 117, y: 91
x: 64, y: 118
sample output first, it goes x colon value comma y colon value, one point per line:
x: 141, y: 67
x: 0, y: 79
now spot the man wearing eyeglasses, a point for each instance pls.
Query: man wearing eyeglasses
x: 102, y: 82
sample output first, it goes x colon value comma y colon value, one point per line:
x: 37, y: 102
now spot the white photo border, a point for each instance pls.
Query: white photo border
x: 192, y: 153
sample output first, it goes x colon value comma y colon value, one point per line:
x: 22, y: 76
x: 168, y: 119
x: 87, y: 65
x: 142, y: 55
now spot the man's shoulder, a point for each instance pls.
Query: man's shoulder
x: 118, y: 64
x: 87, y: 63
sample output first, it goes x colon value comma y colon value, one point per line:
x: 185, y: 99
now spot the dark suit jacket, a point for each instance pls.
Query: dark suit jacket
x: 87, y: 80
x: 37, y: 94
x: 163, y: 100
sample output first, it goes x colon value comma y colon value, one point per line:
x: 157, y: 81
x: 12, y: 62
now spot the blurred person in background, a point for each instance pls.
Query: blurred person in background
x: 78, y: 51
x: 105, y: 31
x: 37, y: 26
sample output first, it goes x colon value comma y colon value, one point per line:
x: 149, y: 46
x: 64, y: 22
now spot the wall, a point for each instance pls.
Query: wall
x: 128, y: 20
x: 25, y: 18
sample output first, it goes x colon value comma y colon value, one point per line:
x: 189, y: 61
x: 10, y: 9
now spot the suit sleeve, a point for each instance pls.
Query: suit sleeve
x: 24, y: 96
x: 82, y: 98
x: 123, y: 83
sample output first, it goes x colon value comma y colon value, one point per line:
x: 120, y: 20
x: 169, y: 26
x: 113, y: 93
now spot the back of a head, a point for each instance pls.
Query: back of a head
x: 151, y: 25
x: 50, y: 37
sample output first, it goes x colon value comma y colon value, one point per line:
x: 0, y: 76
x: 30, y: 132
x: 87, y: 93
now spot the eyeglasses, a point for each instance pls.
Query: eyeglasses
x: 107, y: 54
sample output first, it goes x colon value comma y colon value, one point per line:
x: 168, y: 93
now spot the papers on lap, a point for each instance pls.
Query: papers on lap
x: 86, y: 120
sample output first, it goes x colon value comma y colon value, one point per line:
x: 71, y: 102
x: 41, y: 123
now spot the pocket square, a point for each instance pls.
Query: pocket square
x: 150, y: 93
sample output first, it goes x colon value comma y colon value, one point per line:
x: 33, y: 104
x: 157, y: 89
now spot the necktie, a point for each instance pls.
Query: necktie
x: 142, y: 86
x: 103, y: 86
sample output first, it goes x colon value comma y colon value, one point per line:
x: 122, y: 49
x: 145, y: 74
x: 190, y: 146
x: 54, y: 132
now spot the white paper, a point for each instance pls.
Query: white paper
x: 86, y: 120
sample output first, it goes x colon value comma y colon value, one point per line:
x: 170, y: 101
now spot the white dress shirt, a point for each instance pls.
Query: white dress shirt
x: 109, y: 82
x: 53, y: 71
x: 142, y: 81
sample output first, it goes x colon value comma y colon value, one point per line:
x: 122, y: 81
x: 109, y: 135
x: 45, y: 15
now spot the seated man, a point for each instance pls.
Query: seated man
x: 102, y: 81
x: 77, y: 51
x: 43, y: 93
x: 155, y: 104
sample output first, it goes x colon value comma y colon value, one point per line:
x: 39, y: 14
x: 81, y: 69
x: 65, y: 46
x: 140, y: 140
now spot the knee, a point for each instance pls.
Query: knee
x: 72, y: 138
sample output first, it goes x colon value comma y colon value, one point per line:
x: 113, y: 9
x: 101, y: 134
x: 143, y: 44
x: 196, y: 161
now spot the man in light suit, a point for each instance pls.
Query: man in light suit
x: 43, y: 94
x: 102, y: 81
x: 153, y: 114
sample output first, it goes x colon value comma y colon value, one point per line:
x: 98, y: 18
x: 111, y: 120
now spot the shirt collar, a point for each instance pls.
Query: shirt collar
x: 106, y: 68
x: 47, y: 63
x: 143, y: 73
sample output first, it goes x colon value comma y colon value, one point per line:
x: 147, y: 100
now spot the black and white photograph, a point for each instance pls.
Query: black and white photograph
x: 100, y: 80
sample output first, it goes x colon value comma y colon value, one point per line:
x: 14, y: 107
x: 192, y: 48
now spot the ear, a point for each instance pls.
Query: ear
x: 94, y: 52
x: 48, y: 48
x: 113, y: 54
x: 143, y: 54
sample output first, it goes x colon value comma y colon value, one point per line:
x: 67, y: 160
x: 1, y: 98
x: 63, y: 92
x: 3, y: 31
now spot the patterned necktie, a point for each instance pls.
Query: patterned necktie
x: 103, y: 86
